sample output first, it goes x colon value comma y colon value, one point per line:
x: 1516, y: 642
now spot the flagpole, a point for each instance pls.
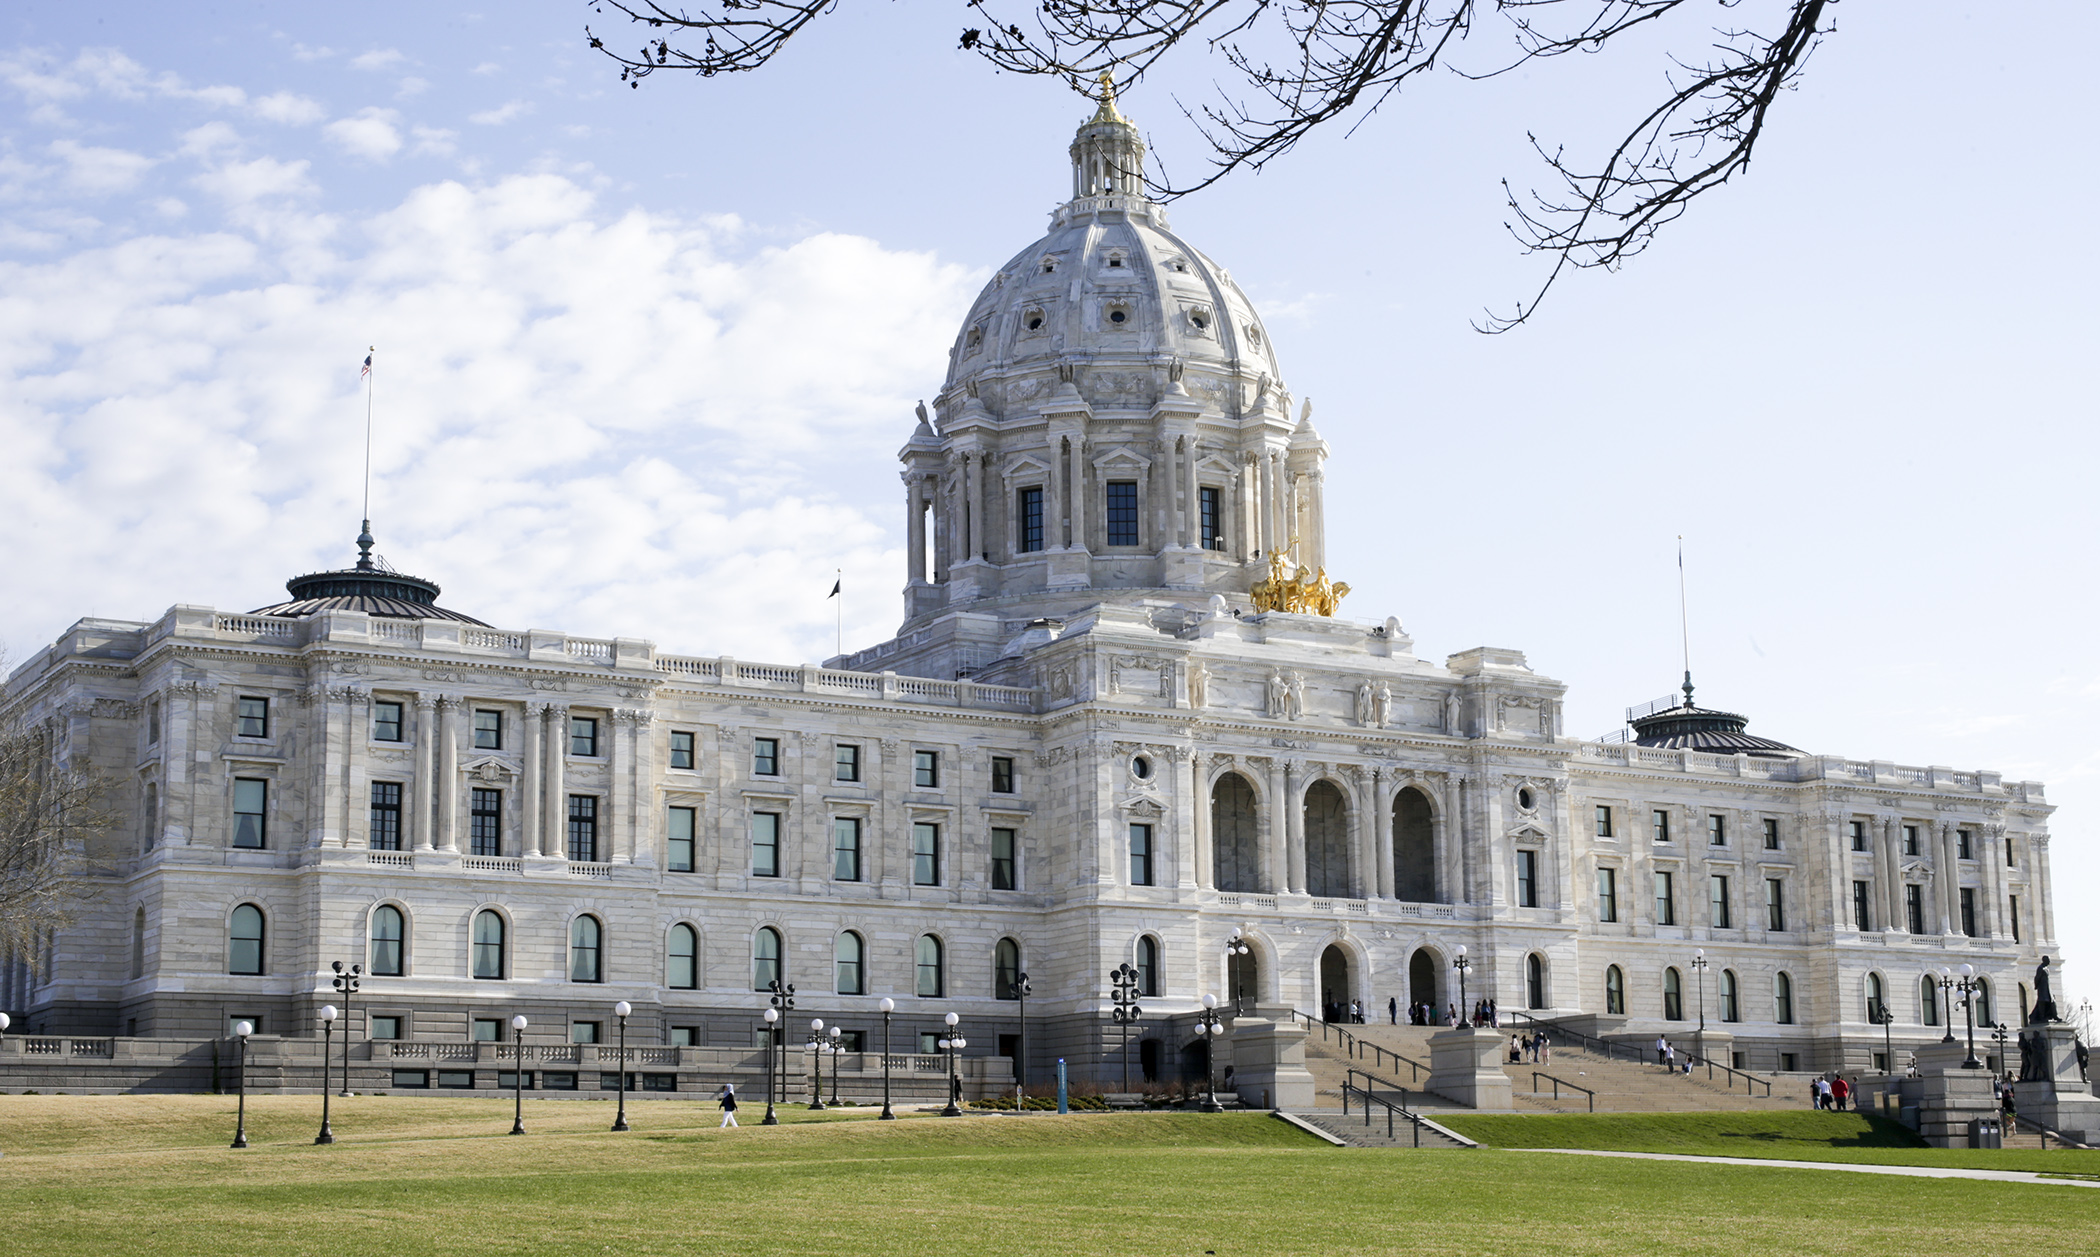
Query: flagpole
x: 369, y: 352
x: 838, y: 643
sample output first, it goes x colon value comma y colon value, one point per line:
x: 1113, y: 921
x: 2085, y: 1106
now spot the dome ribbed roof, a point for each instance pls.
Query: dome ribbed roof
x: 368, y: 587
x: 1686, y: 727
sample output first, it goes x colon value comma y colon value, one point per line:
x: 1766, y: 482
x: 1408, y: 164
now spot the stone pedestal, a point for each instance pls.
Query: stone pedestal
x: 2064, y: 1102
x: 1465, y: 1066
x: 1268, y: 1064
x: 1950, y: 1097
x: 1714, y: 1045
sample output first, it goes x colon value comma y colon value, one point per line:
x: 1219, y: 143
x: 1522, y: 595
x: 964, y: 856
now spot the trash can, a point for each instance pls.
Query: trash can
x: 1986, y: 1133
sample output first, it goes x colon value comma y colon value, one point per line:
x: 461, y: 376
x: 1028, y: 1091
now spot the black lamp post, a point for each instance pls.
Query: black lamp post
x: 622, y: 1010
x: 816, y: 1058
x: 1123, y: 993
x: 326, y: 1136
x: 1968, y: 986
x: 517, y: 1074
x: 2002, y: 1035
x: 1461, y: 964
x: 837, y: 1049
x: 1699, y: 1038
x: 1946, y: 981
x: 782, y: 1001
x: 1881, y: 1015
x: 772, y: 1018
x: 241, y: 1031
x: 952, y: 1045
x: 1021, y: 992
x: 1208, y: 1025
x: 347, y: 980
x: 888, y: 1006
x: 1236, y: 947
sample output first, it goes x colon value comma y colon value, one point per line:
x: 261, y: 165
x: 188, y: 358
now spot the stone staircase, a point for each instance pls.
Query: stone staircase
x: 1353, y: 1131
x: 1622, y: 1085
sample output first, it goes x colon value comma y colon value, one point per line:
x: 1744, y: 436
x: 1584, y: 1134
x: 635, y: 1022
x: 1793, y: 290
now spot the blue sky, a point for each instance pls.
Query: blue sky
x: 646, y: 355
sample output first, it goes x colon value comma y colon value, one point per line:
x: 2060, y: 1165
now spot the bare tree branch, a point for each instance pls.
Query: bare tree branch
x: 48, y: 811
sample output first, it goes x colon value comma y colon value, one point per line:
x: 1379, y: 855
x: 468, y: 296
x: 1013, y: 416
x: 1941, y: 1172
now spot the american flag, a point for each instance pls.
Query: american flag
x: 368, y: 367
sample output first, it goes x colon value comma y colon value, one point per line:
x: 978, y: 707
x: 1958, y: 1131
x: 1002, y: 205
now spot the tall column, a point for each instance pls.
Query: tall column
x: 422, y: 800
x: 2042, y: 890
x: 448, y: 775
x: 334, y: 751
x: 1382, y: 830
x: 1205, y: 870
x: 1890, y: 860
x: 1990, y: 855
x: 1273, y: 837
x: 1080, y: 504
x: 554, y: 816
x: 529, y: 785
x: 1188, y: 821
x: 1054, y: 498
x: 1947, y: 878
x: 1294, y: 817
x: 915, y: 526
x: 1363, y: 878
x: 1191, y: 499
x: 1246, y: 521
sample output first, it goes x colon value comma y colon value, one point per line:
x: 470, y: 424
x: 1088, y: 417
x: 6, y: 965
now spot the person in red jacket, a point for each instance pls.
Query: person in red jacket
x: 1839, y: 1090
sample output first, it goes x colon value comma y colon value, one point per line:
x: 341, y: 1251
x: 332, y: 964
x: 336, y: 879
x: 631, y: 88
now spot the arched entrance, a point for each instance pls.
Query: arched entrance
x: 1414, y: 847
x: 1242, y: 980
x: 1234, y: 836
x: 1148, y: 1059
x: 1335, y: 988
x: 1195, y: 1061
x: 1421, y: 978
x: 1327, y: 843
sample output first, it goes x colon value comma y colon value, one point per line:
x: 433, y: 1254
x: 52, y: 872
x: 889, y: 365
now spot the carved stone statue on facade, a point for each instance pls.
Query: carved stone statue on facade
x: 2044, y: 999
x: 1451, y: 712
x: 1366, y: 705
x: 2034, y: 1057
x: 1279, y: 695
x: 1199, y: 685
x: 1382, y: 706
x: 1294, y: 697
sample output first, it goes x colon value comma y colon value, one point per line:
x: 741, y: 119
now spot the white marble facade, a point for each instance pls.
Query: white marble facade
x: 1080, y: 667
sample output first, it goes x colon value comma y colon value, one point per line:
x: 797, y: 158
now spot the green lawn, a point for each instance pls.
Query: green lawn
x: 1793, y: 1136
x: 138, y: 1174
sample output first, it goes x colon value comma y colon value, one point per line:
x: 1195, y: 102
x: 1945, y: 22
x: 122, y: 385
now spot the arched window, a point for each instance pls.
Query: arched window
x: 138, y: 943
x: 1414, y: 847
x: 1327, y: 843
x: 849, y: 958
x: 1534, y: 981
x: 932, y: 980
x: 246, y: 954
x: 1928, y: 1001
x: 1982, y: 997
x: 1235, y: 835
x: 489, y: 958
x: 584, y: 934
x: 1731, y: 1006
x: 1614, y: 991
x: 1876, y: 999
x: 1782, y: 999
x: 1148, y: 966
x: 1006, y: 969
x: 387, y: 930
x: 1673, y: 995
x: 765, y: 958
x: 682, y: 958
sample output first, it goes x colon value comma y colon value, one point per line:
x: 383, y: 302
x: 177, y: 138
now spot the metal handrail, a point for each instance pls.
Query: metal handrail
x: 1749, y: 1080
x: 1588, y: 1043
x: 1558, y: 1083
x: 1356, y: 1047
x: 1370, y: 1096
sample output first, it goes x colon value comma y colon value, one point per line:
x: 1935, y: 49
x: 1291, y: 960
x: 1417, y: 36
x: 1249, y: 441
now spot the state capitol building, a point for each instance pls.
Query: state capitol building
x: 1127, y: 714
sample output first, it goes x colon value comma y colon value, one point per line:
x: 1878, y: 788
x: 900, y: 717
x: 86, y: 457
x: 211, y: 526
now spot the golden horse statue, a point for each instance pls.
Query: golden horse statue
x: 1297, y: 594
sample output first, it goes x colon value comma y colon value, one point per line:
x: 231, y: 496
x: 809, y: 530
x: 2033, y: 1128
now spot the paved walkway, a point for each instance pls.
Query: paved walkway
x: 1910, y: 1171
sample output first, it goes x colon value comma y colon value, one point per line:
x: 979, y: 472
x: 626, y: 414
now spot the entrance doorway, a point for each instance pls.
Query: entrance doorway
x: 1421, y: 979
x: 1335, y: 987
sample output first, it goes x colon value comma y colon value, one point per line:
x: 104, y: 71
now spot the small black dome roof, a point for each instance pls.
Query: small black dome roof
x: 367, y: 587
x: 1689, y: 728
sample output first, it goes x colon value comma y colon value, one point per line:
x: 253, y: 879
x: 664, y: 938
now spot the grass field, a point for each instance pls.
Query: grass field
x: 139, y: 1174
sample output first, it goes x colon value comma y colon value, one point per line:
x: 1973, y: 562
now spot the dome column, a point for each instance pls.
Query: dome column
x: 448, y: 774
x: 424, y: 807
x: 529, y: 807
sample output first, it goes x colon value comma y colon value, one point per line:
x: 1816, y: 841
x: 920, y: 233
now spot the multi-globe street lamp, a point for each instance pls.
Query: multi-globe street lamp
x: 838, y: 1049
x: 1021, y: 992
x: 1235, y: 948
x: 326, y: 1136
x: 1209, y: 1026
x: 2001, y: 1034
x: 1699, y: 1038
x: 772, y: 1017
x: 816, y: 1056
x: 953, y: 1045
x: 1946, y: 981
x: 1123, y: 993
x: 1879, y: 1013
x: 622, y: 1010
x: 782, y: 1001
x: 517, y: 1074
x: 241, y: 1031
x: 888, y: 1006
x: 347, y: 980
x: 1968, y: 985
x: 1461, y: 964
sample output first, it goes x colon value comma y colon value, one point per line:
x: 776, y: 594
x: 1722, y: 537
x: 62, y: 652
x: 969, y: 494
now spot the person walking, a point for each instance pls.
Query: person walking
x: 1392, y: 1009
x: 727, y: 1098
x: 1840, y: 1091
x: 1662, y: 1051
x: 1545, y: 1049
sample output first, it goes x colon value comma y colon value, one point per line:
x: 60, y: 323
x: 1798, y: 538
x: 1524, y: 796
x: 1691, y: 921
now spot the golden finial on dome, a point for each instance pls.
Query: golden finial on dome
x: 1108, y: 112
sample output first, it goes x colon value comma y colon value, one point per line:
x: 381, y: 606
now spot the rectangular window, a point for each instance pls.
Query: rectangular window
x: 386, y: 1027
x: 1603, y: 821
x: 854, y: 1041
x: 1661, y: 824
x: 583, y: 736
x: 1002, y: 774
x: 1910, y: 840
x: 1607, y: 894
x: 1771, y: 833
x: 253, y: 718
x: 1211, y: 517
x: 2012, y: 915
x: 1862, y: 898
x: 1141, y: 855
x: 765, y: 844
x: 681, y: 748
x: 1028, y: 520
x: 1003, y: 859
x: 1716, y: 829
x: 765, y: 757
x: 1775, y: 904
x: 506, y: 1079
x: 2008, y: 853
x: 1665, y: 900
x: 462, y: 1079
x: 685, y: 1036
x: 679, y: 840
x: 153, y: 723
x: 1717, y: 891
x: 485, y: 823
x: 1964, y: 845
x: 583, y: 1032
x: 1859, y: 835
x: 250, y: 799
x: 583, y: 828
x: 1914, y: 907
x: 929, y: 1042
x: 1788, y: 1062
x: 386, y: 722
x: 845, y: 762
x: 1122, y: 512
x: 1968, y: 911
x: 488, y: 730
x: 385, y: 832
x: 411, y: 1079
x: 487, y: 1030
x: 926, y: 855
x: 1527, y: 879
x: 926, y: 769
x: 845, y: 848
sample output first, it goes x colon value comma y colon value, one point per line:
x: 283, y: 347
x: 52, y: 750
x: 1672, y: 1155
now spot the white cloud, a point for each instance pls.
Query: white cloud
x: 434, y: 142
x: 304, y: 53
x: 411, y: 86
x: 584, y: 421
x: 288, y: 108
x: 265, y: 178
x: 486, y: 67
x: 370, y: 133
x: 377, y: 59
x: 504, y: 113
x: 100, y: 171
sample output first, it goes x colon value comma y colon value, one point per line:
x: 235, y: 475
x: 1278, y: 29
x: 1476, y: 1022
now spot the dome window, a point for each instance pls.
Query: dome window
x: 1141, y: 768
x: 1199, y: 319
x: 1254, y: 335
x: 1525, y: 799
x: 1032, y: 319
x: 1179, y: 266
x: 975, y: 340
x: 1119, y: 314
x: 1115, y: 260
x: 1049, y: 266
